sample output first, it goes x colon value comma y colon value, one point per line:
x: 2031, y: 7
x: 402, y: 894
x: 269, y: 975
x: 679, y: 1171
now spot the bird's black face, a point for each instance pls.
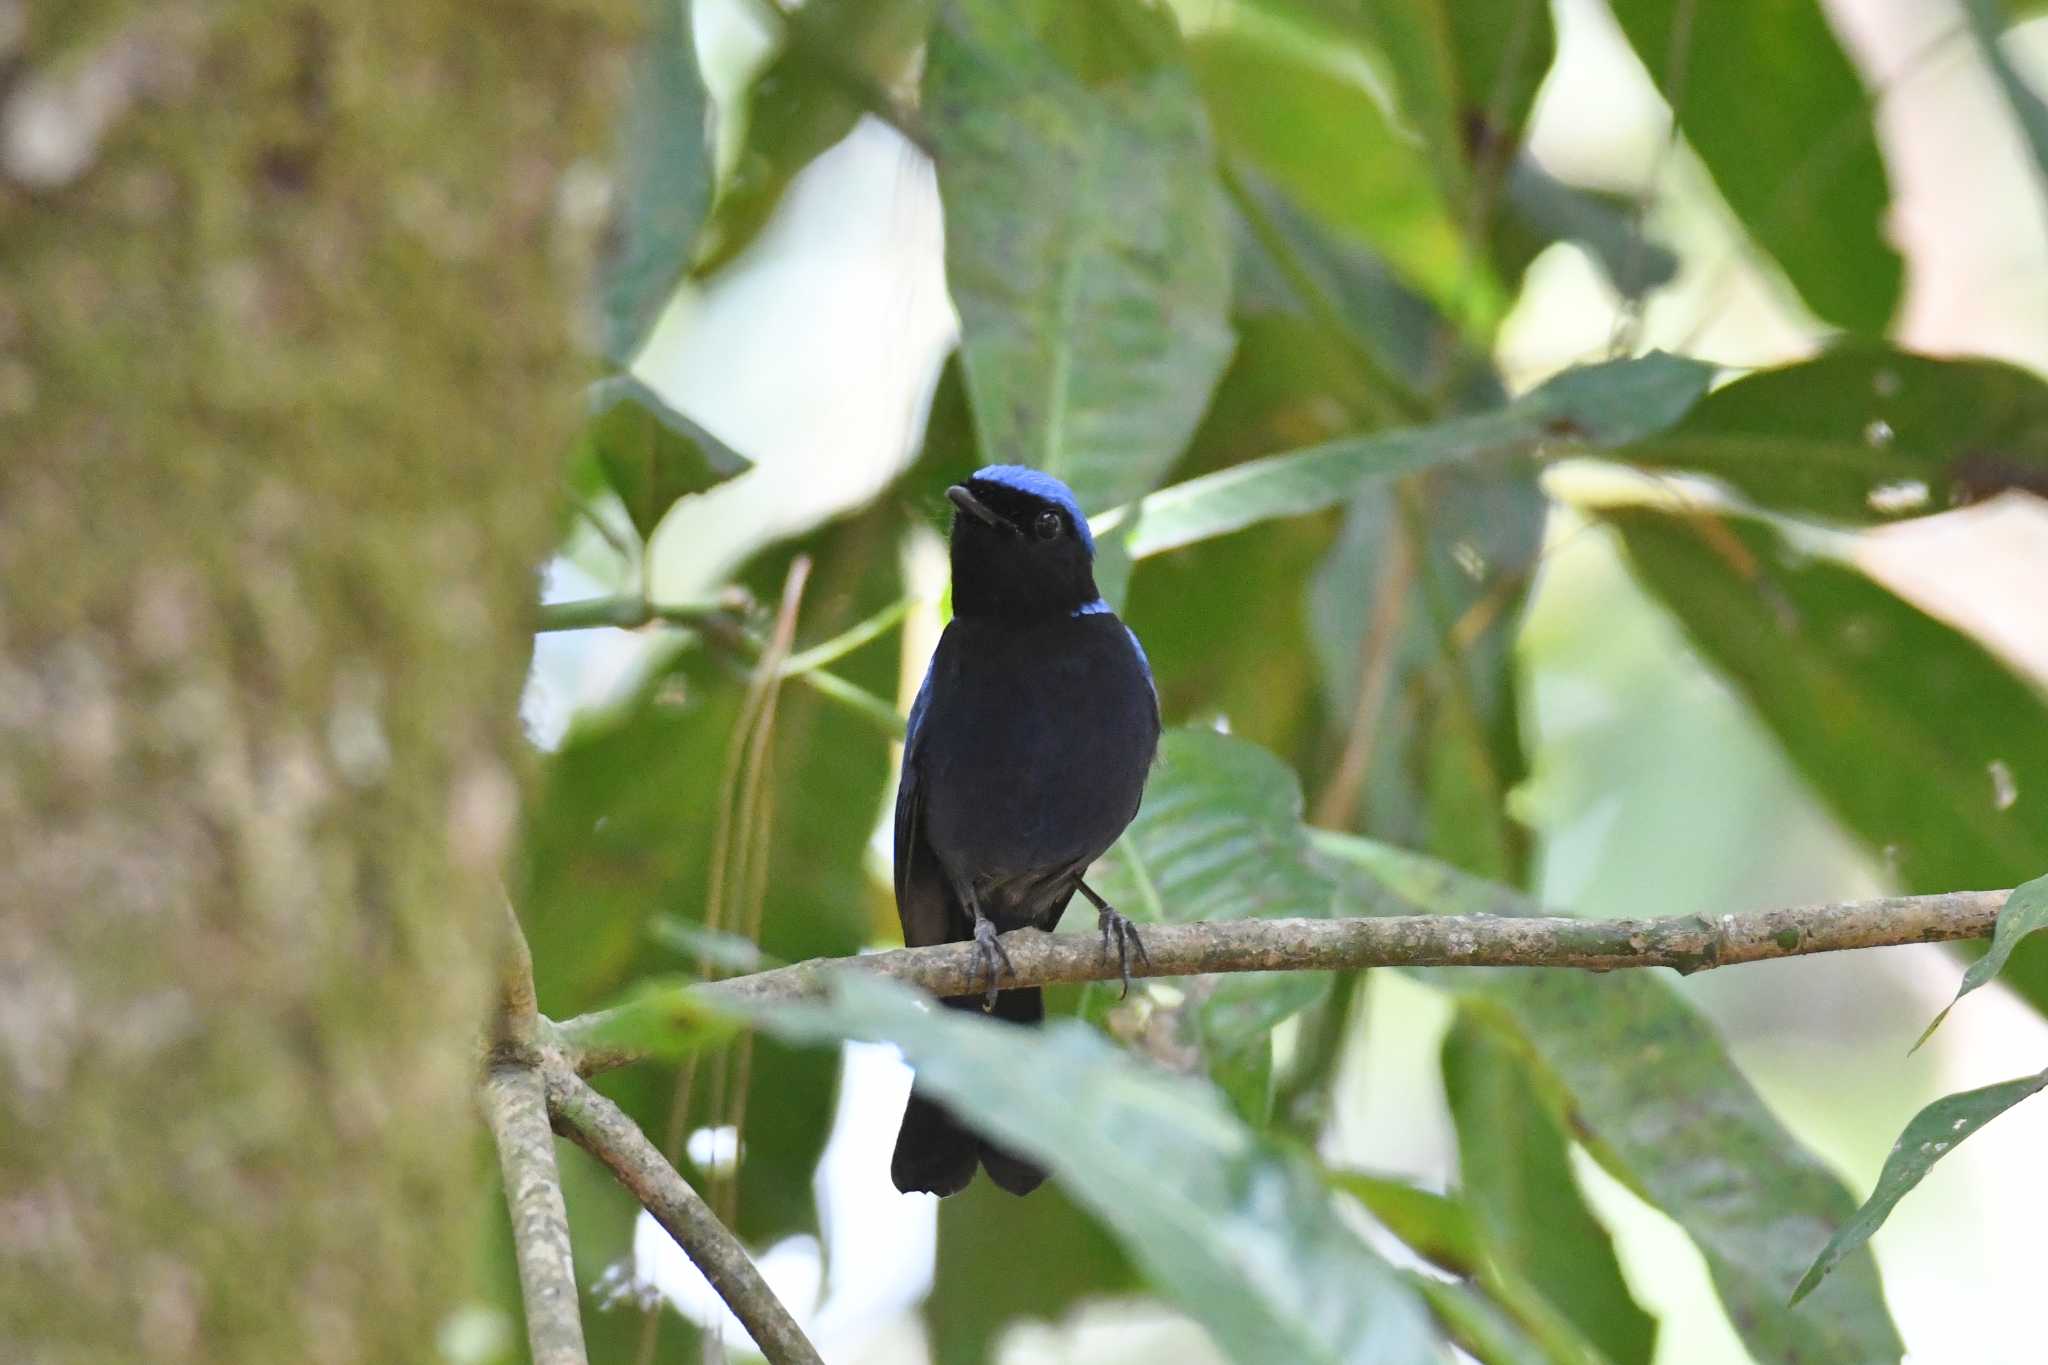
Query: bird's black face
x: 1018, y: 554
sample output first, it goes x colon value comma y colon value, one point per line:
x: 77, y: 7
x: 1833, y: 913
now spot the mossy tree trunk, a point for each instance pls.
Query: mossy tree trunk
x: 285, y: 365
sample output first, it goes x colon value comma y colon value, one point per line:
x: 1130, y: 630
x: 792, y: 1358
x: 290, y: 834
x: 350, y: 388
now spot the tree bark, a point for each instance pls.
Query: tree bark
x: 285, y: 369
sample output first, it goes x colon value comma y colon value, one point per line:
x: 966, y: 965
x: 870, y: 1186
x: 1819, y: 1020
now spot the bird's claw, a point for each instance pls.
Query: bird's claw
x: 1119, y: 928
x: 995, y: 960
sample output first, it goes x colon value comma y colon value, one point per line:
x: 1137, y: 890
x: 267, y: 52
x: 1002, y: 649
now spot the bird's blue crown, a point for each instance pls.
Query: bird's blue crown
x: 1039, y: 484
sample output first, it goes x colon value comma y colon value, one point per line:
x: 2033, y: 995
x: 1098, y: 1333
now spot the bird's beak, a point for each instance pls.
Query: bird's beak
x: 972, y: 506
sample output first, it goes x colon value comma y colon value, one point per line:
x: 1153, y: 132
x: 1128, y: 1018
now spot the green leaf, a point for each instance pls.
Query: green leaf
x: 1598, y: 406
x: 1864, y: 434
x: 664, y: 181
x: 1290, y: 382
x: 2024, y: 912
x: 665, y: 1021
x: 650, y: 454
x: 1434, y: 1226
x: 1085, y: 245
x: 1512, y: 1321
x: 1934, y: 1132
x: 1919, y: 739
x: 1297, y: 106
x: 1287, y: 255
x: 1650, y: 1092
x: 1799, y: 167
x: 1241, y: 1233
x: 838, y: 60
x: 716, y: 948
x: 1478, y: 1326
x: 1429, y: 628
x: 1468, y: 71
x: 1219, y: 837
x: 1516, y: 1178
x: 1543, y: 209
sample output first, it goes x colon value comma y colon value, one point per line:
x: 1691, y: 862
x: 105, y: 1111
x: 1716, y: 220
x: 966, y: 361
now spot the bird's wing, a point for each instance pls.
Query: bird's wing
x: 922, y: 897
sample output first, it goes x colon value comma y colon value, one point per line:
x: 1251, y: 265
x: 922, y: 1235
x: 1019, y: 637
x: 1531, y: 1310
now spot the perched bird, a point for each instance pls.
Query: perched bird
x: 1027, y: 753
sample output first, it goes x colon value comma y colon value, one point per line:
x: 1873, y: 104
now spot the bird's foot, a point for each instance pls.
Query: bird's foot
x: 994, y: 959
x: 1124, y: 934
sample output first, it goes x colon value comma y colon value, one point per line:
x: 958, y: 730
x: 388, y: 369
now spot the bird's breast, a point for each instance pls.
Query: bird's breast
x: 1036, y: 746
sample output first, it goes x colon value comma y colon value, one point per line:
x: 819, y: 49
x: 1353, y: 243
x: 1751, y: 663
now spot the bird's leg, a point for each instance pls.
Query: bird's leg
x: 994, y: 959
x: 1117, y: 927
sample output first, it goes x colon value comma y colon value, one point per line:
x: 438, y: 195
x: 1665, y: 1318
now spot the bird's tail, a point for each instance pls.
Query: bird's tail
x: 936, y: 1152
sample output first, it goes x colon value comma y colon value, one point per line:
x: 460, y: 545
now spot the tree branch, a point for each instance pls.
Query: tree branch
x: 515, y: 1101
x: 1688, y: 943
x: 515, y: 1104
x: 601, y: 1128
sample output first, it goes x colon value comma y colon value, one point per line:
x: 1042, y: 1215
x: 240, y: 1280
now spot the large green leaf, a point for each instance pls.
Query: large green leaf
x: 1921, y: 741
x: 1241, y: 1233
x: 1934, y: 1132
x: 1649, y: 1090
x: 838, y: 60
x: 1517, y: 1183
x: 648, y: 453
x: 1767, y: 98
x: 1296, y: 106
x: 664, y: 182
x: 1598, y: 406
x: 1219, y: 836
x: 1864, y: 433
x: 1468, y: 71
x: 1085, y: 242
x: 1387, y: 335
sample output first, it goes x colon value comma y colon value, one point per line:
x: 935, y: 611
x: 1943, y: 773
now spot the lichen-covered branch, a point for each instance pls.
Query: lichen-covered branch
x: 604, y: 1130
x: 1688, y: 943
x: 515, y: 1102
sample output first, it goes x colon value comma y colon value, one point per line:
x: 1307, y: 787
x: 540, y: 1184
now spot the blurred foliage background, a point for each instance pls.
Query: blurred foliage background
x: 1596, y: 446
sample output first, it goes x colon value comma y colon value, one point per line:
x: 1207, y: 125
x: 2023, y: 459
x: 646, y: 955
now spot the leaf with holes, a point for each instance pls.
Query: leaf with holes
x: 1923, y: 743
x: 1864, y: 434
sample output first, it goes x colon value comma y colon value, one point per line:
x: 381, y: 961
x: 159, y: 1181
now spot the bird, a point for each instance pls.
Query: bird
x: 1024, y: 759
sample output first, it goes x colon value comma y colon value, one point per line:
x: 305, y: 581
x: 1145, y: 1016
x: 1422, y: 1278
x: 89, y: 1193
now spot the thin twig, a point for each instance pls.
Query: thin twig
x: 719, y: 625
x: 1687, y: 943
x: 601, y: 1128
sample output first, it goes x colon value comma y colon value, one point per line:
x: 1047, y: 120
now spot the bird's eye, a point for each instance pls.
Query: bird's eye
x: 1047, y: 526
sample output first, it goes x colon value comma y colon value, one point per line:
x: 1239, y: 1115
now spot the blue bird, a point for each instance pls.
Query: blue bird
x: 1027, y: 752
